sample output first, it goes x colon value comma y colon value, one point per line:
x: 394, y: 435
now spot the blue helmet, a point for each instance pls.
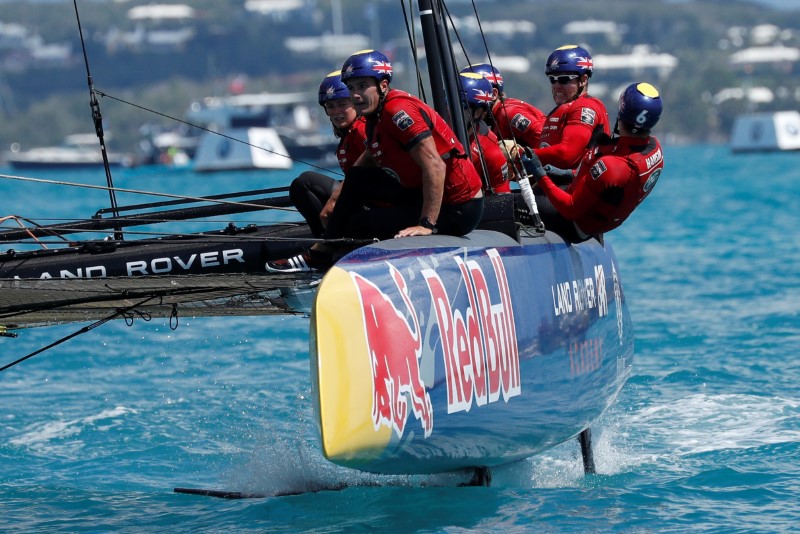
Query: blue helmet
x: 476, y: 91
x: 332, y: 88
x: 639, y: 107
x: 487, y: 71
x: 569, y: 59
x: 367, y: 63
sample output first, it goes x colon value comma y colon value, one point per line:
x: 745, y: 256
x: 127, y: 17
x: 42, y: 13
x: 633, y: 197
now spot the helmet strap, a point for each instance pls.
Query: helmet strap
x: 381, y: 96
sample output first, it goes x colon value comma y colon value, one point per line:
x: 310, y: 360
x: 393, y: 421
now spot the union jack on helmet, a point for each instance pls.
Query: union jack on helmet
x: 332, y: 88
x: 369, y: 63
x: 476, y: 91
x: 569, y: 59
x: 487, y: 71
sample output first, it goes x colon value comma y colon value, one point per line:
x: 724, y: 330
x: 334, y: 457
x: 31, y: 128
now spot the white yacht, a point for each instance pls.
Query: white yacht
x: 766, y: 132
x: 261, y: 131
x: 78, y: 151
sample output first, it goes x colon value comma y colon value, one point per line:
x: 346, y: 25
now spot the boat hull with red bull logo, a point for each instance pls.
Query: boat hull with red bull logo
x: 434, y: 354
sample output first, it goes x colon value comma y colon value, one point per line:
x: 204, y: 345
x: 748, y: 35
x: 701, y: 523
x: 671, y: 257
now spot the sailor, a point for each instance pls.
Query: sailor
x: 413, y: 179
x: 314, y: 194
x: 488, y: 159
x: 573, y: 126
x: 511, y: 119
x: 613, y: 180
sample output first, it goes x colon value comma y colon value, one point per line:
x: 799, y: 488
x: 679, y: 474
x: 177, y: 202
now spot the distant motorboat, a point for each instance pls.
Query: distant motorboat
x: 766, y: 132
x: 78, y: 151
x: 260, y: 131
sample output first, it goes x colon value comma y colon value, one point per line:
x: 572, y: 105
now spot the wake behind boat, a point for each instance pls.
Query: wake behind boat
x: 428, y: 354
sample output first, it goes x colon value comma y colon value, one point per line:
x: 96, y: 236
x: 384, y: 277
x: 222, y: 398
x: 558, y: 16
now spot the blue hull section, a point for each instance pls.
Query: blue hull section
x: 480, y: 350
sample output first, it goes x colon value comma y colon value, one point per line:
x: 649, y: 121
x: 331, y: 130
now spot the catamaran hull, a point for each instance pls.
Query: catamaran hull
x: 436, y: 355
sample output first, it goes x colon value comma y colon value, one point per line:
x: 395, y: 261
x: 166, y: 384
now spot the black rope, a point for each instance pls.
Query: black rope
x: 173, y: 317
x: 98, y: 123
x: 100, y: 322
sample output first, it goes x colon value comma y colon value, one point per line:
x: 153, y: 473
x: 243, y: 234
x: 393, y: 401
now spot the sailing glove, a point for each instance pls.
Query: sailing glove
x: 533, y: 167
x: 559, y: 176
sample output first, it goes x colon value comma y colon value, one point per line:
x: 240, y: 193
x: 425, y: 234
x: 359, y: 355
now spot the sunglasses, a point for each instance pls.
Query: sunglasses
x: 563, y: 80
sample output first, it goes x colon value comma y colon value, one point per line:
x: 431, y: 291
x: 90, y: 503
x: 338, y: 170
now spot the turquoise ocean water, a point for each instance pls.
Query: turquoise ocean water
x: 96, y: 433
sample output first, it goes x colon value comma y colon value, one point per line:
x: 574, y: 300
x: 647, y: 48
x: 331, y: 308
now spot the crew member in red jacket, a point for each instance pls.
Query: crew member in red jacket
x: 488, y: 159
x: 314, y: 194
x: 614, y: 181
x: 578, y: 119
x: 511, y: 119
x: 414, y: 178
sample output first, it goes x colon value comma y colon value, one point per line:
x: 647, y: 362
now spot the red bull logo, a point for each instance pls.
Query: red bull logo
x: 394, y: 351
x: 478, y: 340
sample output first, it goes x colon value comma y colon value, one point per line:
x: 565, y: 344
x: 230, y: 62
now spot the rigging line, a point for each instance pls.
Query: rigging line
x: 141, y: 192
x: 98, y: 122
x: 177, y: 238
x: 100, y: 322
x: 159, y: 220
x: 471, y: 119
x: 516, y: 164
x: 412, y: 41
x: 187, y: 123
x: 18, y: 220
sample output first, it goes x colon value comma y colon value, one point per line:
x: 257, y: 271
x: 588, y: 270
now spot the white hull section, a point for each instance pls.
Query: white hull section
x: 241, y: 149
x: 766, y: 132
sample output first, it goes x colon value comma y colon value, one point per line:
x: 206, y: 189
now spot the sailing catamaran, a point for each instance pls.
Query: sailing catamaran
x: 428, y: 354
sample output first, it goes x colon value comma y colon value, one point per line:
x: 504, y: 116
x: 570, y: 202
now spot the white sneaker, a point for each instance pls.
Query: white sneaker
x: 295, y: 264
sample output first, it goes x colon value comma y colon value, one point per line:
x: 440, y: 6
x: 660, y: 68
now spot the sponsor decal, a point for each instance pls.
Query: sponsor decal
x: 164, y: 265
x: 520, y: 122
x: 574, y: 296
x: 588, y: 116
x: 402, y: 120
x: 618, y: 302
x: 651, y: 181
x: 394, y: 351
x: 598, y: 169
x: 478, y: 343
x: 654, y: 159
x: 585, y: 356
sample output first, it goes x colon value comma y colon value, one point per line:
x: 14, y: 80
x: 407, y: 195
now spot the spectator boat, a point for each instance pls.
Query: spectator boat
x: 78, y: 151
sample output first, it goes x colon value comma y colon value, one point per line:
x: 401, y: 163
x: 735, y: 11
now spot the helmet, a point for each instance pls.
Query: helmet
x: 487, y: 71
x: 367, y: 63
x: 332, y: 88
x: 639, y: 107
x: 569, y: 58
x: 476, y: 91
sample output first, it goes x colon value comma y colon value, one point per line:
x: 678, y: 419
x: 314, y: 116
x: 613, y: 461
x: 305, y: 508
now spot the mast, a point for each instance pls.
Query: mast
x: 441, y: 68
